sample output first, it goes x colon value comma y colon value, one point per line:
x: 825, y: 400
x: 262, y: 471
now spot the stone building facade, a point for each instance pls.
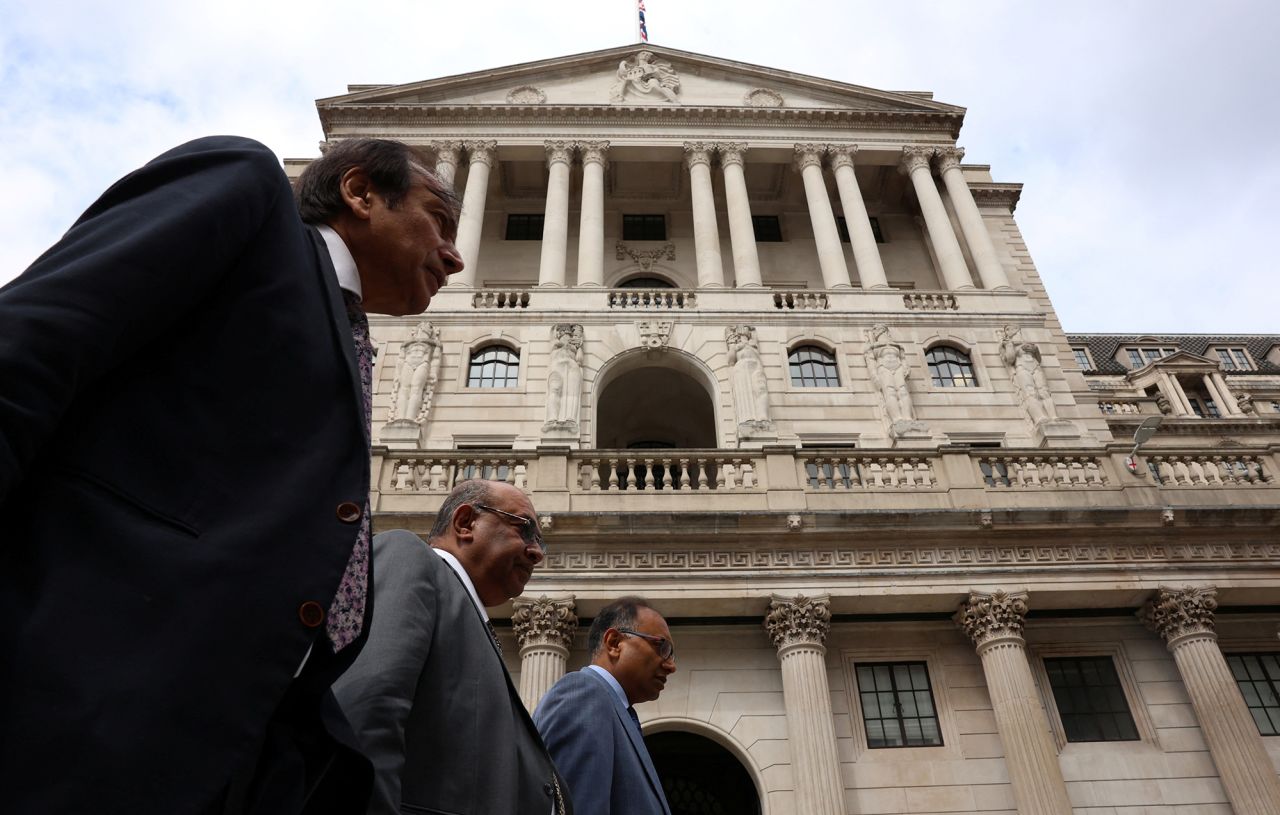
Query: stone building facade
x: 766, y: 349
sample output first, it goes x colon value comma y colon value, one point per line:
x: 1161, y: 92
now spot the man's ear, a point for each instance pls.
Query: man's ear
x: 612, y: 642
x: 355, y: 187
x: 463, y: 524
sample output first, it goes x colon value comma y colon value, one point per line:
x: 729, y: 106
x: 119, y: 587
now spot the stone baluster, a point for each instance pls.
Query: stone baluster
x: 915, y: 163
x: 1184, y: 620
x: 544, y: 628
x: 448, y: 153
x: 483, y: 155
x: 835, y: 274
x: 971, y: 223
x: 742, y: 234
x: 866, y: 255
x: 994, y: 623
x: 798, y: 627
x: 706, y: 235
x: 591, y: 224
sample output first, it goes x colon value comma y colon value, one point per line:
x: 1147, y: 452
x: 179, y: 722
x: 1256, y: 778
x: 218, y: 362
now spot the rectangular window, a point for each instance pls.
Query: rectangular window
x: 1141, y: 356
x: 1258, y: 677
x: 768, y: 229
x: 842, y: 226
x: 644, y: 227
x: 1082, y: 358
x: 1090, y: 699
x: 897, y: 705
x: 524, y: 227
x: 1204, y: 407
x: 1234, y: 359
x: 1135, y: 358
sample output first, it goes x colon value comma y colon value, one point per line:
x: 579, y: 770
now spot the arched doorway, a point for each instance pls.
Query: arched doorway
x: 700, y: 777
x: 643, y: 405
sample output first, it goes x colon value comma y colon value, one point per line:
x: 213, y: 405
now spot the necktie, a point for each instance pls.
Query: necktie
x: 346, y: 612
x: 493, y: 635
x: 634, y: 716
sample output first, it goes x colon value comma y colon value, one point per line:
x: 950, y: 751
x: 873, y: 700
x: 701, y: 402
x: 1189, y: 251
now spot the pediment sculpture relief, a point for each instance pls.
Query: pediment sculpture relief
x: 645, y: 75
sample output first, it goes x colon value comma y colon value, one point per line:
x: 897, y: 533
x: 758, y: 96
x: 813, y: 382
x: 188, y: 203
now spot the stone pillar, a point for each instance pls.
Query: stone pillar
x: 866, y: 255
x: 835, y: 275
x: 798, y: 626
x: 706, y: 235
x: 994, y: 623
x: 591, y: 223
x: 448, y: 153
x: 483, y: 154
x: 746, y: 260
x: 915, y: 163
x: 1211, y: 388
x: 1173, y: 392
x: 1228, y: 401
x: 1184, y: 620
x: 555, y: 223
x: 544, y: 628
x: 971, y: 223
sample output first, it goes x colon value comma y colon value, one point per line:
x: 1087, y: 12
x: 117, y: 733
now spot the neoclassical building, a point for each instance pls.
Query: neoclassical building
x: 770, y: 350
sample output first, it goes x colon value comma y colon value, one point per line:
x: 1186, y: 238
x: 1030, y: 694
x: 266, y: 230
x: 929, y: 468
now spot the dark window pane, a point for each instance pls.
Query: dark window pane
x: 494, y: 367
x: 1258, y: 677
x: 1090, y: 699
x: 813, y: 367
x: 768, y: 228
x: 522, y: 227
x: 897, y: 705
x: 644, y: 227
x: 950, y: 367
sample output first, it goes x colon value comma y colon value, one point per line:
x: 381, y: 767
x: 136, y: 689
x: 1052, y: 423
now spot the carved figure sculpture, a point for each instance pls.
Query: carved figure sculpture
x: 1023, y: 361
x: 889, y: 370
x: 564, y: 382
x: 416, y: 377
x: 747, y: 380
x: 1244, y: 403
x: 646, y: 75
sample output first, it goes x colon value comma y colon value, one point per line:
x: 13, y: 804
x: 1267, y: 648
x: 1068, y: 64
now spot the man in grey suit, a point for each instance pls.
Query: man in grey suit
x: 587, y: 720
x: 429, y: 696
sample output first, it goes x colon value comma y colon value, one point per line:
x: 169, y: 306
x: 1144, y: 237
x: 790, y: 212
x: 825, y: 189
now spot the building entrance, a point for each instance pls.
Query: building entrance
x: 653, y: 408
x: 700, y: 777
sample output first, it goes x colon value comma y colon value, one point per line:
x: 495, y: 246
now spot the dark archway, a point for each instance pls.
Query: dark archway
x: 700, y: 777
x: 653, y: 408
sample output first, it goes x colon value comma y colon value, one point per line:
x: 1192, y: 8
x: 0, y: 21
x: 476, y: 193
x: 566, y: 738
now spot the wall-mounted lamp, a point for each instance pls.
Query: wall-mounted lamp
x: 1140, y: 437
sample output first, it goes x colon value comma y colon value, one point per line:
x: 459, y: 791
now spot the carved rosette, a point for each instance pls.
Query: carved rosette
x: 526, y: 95
x: 763, y: 98
x: 948, y: 158
x: 544, y: 622
x: 559, y: 152
x: 841, y: 154
x: 1175, y: 614
x: 986, y: 618
x: 798, y: 620
x: 482, y: 152
x: 914, y: 158
x: 594, y: 152
x: 696, y: 152
x: 731, y: 153
x: 809, y: 155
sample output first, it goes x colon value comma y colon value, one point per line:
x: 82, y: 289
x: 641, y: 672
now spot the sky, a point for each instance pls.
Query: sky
x: 1144, y: 131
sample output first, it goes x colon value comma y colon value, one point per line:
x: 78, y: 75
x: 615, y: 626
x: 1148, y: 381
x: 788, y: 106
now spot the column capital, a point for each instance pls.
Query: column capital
x: 842, y: 154
x: 1177, y: 613
x: 593, y: 152
x: 482, y: 152
x: 949, y: 158
x: 698, y: 152
x: 559, y: 152
x: 731, y: 153
x: 544, y: 621
x: 809, y: 155
x: 915, y: 157
x: 988, y: 617
x: 447, y: 151
x: 798, y: 620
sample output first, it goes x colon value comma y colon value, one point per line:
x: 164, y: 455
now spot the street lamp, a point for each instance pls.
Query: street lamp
x: 1140, y: 437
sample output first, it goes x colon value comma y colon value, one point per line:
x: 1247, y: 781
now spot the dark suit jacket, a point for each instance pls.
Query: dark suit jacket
x: 432, y: 700
x: 598, y: 749
x: 179, y: 419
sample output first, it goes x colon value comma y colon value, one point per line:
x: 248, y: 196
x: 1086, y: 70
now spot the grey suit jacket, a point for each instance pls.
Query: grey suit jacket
x: 598, y: 749
x: 432, y: 701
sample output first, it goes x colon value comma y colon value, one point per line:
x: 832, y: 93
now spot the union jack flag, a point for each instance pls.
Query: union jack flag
x: 644, y: 32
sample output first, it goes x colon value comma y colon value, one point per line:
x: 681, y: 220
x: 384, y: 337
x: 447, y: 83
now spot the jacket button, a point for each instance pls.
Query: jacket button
x: 547, y: 789
x: 311, y: 613
x: 348, y: 512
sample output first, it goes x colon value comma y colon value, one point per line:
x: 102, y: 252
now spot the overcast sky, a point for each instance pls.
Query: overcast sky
x: 1145, y: 132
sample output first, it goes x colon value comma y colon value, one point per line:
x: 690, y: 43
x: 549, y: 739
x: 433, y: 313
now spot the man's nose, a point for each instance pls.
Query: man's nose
x: 535, y: 553
x: 450, y: 259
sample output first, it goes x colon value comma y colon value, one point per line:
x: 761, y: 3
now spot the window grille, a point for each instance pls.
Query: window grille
x: 950, y: 367
x: 1258, y: 677
x: 813, y: 367
x: 897, y: 705
x: 1090, y: 699
x: 495, y: 366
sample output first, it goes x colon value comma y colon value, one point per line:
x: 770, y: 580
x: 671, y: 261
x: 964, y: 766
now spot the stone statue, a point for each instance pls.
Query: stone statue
x: 746, y: 378
x: 887, y: 365
x: 564, y: 381
x: 646, y: 75
x: 1023, y: 361
x: 1244, y: 402
x: 416, y: 377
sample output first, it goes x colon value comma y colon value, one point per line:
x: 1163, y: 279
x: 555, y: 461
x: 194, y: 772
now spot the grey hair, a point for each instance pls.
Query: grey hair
x: 471, y: 491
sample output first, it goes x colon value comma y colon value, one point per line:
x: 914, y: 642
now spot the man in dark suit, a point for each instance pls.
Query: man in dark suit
x: 588, y: 721
x: 430, y: 696
x: 184, y: 476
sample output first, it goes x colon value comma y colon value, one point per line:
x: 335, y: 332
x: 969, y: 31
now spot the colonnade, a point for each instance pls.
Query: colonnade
x: 699, y: 157
x: 1215, y: 385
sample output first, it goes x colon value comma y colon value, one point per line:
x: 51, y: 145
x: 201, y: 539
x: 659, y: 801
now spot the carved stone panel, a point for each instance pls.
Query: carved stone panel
x: 798, y: 620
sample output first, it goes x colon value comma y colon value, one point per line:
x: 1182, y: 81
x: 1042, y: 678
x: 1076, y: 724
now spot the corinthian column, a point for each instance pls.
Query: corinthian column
x: 975, y: 231
x: 544, y: 628
x: 706, y: 235
x: 1184, y: 620
x: 483, y: 156
x: 448, y: 154
x: 798, y: 626
x: 555, y: 224
x: 915, y: 163
x: 866, y: 255
x: 591, y: 223
x: 746, y: 261
x: 835, y: 275
x: 994, y: 623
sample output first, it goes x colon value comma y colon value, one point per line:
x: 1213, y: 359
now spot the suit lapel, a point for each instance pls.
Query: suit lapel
x: 637, y: 743
x: 338, y: 320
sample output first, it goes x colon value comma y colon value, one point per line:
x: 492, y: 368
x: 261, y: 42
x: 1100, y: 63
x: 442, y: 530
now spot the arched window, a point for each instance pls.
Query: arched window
x: 950, y: 367
x: 813, y: 367
x: 646, y: 283
x: 494, y: 366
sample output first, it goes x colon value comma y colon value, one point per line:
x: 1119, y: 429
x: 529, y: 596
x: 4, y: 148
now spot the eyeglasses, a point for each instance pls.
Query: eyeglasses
x: 527, y: 526
x: 666, y: 650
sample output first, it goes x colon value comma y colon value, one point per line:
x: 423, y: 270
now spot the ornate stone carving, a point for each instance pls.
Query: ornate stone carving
x: 1244, y: 402
x: 809, y: 155
x: 696, y: 152
x: 564, y: 379
x: 415, y: 385
x: 559, y: 151
x: 798, y: 620
x: 1163, y: 404
x: 544, y: 622
x: 1176, y: 613
x: 794, y: 523
x: 448, y: 152
x: 986, y: 520
x: 731, y: 153
x: 889, y: 370
x: 547, y: 521
x: 645, y: 258
x: 655, y: 334
x: 646, y: 75
x: 763, y: 98
x: 913, y: 158
x: 747, y: 380
x: 986, y: 617
x: 482, y: 152
x: 526, y: 95
x: 594, y: 152
x: 1023, y: 362
x: 842, y: 154
x: 948, y: 157
x: 1166, y: 516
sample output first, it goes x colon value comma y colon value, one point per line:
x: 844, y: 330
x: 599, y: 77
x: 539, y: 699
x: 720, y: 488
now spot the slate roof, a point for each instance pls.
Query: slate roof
x: 1103, y: 348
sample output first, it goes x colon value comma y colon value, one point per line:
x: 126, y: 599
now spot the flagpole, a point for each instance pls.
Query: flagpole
x: 642, y: 31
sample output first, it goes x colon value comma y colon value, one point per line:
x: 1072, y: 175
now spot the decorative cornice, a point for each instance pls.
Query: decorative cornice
x: 482, y: 152
x: 731, y: 153
x: 842, y: 154
x: 447, y: 152
x: 544, y: 622
x: 915, y: 157
x: 1177, y: 613
x: 948, y: 158
x: 1001, y: 195
x: 798, y: 620
x: 696, y: 152
x: 559, y: 152
x: 809, y: 155
x: 594, y: 152
x: 996, y: 616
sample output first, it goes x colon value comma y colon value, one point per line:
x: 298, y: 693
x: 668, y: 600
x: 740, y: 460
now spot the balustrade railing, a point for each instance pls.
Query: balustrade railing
x: 1209, y: 470
x: 857, y: 472
x: 1114, y: 408
x: 800, y: 300
x: 930, y: 301
x: 499, y: 298
x: 1002, y: 471
x: 677, y: 472
x: 653, y: 298
x: 440, y: 473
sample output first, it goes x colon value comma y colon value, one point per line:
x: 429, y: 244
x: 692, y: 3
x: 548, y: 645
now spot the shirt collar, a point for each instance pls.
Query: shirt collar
x: 456, y: 565
x: 343, y: 262
x: 613, y: 683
